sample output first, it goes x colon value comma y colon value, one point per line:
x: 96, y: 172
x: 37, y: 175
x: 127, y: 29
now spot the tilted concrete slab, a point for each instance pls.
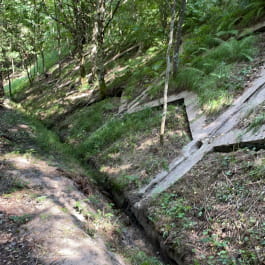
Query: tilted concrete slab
x: 196, y: 118
x: 219, y: 133
x: 251, y: 97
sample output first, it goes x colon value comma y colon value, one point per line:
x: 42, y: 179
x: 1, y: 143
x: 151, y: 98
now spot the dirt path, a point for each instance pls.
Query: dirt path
x: 53, y: 219
x: 44, y: 216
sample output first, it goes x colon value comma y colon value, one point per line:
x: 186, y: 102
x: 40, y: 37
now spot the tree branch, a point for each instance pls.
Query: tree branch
x: 113, y: 14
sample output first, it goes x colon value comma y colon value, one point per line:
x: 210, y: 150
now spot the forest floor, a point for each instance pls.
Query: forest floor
x: 213, y: 215
x: 45, y: 218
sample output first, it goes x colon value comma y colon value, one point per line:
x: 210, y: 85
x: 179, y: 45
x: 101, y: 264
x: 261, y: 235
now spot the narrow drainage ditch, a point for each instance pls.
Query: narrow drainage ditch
x: 137, y: 217
x: 139, y: 220
x: 139, y: 231
x: 140, y: 224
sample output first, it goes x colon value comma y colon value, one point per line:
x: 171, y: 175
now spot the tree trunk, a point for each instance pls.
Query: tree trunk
x: 82, y: 65
x: 168, y: 71
x: 178, y: 37
x: 22, y: 61
x: 58, y: 37
x: 9, y: 85
x: 43, y: 61
x: 2, y: 91
x: 13, y: 67
x: 28, y: 75
x: 37, y: 64
x: 98, y: 50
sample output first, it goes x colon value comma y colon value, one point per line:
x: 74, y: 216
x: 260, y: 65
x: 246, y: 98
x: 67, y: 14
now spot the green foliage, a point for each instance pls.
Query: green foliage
x: 139, y: 71
x: 258, y: 121
x: 45, y: 139
x: 87, y: 120
x: 118, y: 128
x: 119, y: 184
x: 230, y: 51
x: 19, y: 84
x: 189, y: 78
x: 210, y: 74
x: 174, y: 207
x: 175, y: 211
x: 15, y: 184
x: 257, y: 173
x: 138, y: 257
x: 20, y: 220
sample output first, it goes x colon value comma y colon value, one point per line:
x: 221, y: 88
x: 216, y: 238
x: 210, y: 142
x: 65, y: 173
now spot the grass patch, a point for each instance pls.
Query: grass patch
x: 20, y: 84
x: 257, y: 122
x: 20, y: 220
x: 11, y: 185
x: 138, y: 257
x: 127, y: 149
x: 32, y: 132
x: 119, y: 128
x: 139, y: 71
x: 84, y: 122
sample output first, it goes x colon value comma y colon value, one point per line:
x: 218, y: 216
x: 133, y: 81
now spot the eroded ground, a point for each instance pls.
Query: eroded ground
x: 44, y: 218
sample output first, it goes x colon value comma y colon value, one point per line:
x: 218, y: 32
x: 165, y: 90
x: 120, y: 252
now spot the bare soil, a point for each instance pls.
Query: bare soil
x: 44, y: 216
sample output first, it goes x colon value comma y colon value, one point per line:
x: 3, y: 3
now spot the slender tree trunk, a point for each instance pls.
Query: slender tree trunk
x: 168, y: 71
x: 163, y: 14
x: 43, y: 61
x: 34, y: 67
x: 22, y: 61
x: 58, y: 28
x: 98, y: 50
x: 59, y: 50
x: 2, y: 91
x: 82, y: 65
x: 13, y: 67
x: 28, y: 75
x: 37, y: 64
x: 178, y: 37
x: 9, y: 85
x: 101, y: 68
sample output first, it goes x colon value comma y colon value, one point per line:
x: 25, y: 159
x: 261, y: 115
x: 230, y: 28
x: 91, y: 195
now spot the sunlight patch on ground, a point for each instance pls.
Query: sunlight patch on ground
x: 115, y: 170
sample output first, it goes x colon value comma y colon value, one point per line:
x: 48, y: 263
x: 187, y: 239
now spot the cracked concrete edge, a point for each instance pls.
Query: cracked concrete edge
x: 255, y: 95
x: 196, y: 118
x: 257, y: 84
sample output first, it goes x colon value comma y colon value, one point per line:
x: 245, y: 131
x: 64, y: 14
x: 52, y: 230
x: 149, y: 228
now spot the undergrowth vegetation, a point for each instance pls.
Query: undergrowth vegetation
x: 210, y: 74
x: 216, y: 214
x: 109, y: 142
x: 32, y: 134
x: 211, y: 217
x: 20, y: 84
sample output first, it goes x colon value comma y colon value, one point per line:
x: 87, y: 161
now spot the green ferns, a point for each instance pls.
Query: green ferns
x: 209, y: 74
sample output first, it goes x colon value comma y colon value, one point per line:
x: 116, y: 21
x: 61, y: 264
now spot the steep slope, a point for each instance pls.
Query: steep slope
x: 50, y: 211
x: 119, y: 140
